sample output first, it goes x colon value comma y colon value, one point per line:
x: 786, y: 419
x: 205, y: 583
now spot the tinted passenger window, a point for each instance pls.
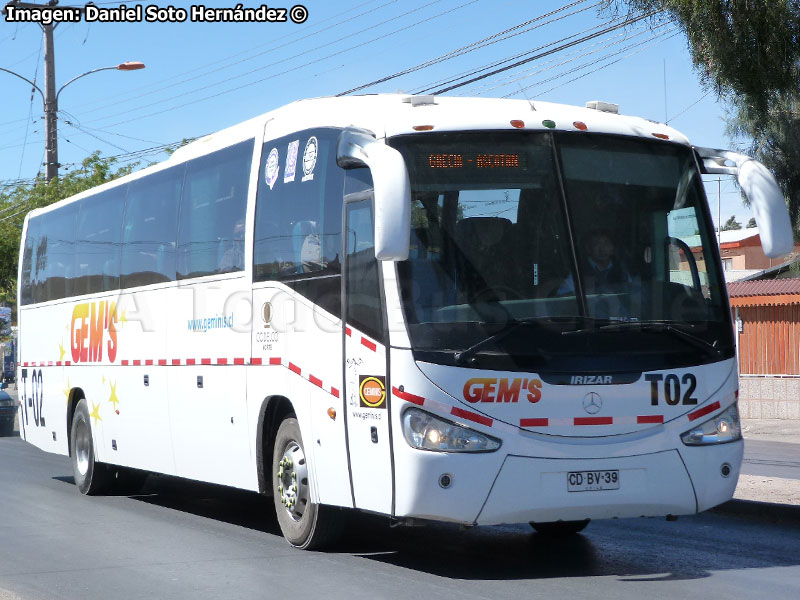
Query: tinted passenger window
x: 212, y: 217
x: 28, y: 282
x: 98, y: 245
x: 299, y: 216
x: 57, y: 263
x: 363, y: 288
x: 150, y: 229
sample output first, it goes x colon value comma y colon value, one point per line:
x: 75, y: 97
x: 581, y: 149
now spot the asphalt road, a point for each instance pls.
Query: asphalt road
x: 771, y: 459
x: 183, y: 540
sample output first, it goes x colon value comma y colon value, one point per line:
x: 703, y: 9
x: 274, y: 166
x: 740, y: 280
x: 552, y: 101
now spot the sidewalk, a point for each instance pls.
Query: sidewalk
x: 774, y: 490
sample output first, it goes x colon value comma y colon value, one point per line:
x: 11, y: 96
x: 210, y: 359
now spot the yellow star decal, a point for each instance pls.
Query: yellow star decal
x: 67, y: 390
x: 95, y: 414
x: 61, y: 351
x: 113, y: 399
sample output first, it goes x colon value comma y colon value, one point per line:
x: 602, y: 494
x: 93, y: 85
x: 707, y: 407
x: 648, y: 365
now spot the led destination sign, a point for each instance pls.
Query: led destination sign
x: 474, y: 160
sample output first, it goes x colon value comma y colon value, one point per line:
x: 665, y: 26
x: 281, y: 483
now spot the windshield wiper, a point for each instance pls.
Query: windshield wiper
x: 509, y: 328
x: 676, y: 329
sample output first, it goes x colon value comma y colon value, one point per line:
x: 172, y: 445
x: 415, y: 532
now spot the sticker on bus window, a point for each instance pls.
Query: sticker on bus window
x: 310, y: 158
x: 291, y: 161
x: 272, y: 169
x: 372, y: 389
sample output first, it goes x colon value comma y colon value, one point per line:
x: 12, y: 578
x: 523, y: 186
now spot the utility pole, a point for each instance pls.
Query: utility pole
x: 50, y: 100
x: 50, y: 94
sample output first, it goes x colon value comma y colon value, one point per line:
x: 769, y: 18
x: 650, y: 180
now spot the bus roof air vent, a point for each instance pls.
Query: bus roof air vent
x: 603, y: 106
x: 419, y: 100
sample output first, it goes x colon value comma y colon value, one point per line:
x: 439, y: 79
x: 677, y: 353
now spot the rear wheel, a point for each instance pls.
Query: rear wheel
x: 91, y: 477
x: 303, y: 523
x: 560, y: 528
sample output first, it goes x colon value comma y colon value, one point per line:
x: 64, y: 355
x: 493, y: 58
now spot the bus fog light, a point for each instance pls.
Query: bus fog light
x: 725, y: 469
x: 720, y: 429
x: 424, y: 431
x: 445, y: 480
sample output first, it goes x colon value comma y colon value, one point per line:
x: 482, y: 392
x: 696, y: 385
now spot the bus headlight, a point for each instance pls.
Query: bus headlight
x: 719, y: 429
x: 424, y: 431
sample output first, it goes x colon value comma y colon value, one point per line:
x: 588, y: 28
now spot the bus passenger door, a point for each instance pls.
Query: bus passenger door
x: 365, y: 377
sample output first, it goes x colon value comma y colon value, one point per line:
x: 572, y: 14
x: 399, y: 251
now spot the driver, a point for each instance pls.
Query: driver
x: 603, y: 272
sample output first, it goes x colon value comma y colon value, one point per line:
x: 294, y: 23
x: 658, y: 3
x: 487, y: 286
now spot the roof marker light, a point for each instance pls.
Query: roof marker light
x: 517, y: 123
x: 661, y: 136
x: 579, y: 125
x: 422, y: 127
x: 548, y: 123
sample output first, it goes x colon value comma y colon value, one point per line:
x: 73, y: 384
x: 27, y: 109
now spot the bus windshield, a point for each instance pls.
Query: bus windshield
x: 560, y: 251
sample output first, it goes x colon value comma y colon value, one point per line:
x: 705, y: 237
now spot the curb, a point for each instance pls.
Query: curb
x: 766, y: 511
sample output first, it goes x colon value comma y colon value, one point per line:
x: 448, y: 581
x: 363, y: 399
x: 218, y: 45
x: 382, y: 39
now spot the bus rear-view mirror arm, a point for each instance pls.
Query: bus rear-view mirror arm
x: 359, y: 148
x: 766, y: 199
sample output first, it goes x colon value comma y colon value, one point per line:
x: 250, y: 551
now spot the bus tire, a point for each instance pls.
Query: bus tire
x: 91, y: 477
x: 303, y: 523
x: 560, y: 528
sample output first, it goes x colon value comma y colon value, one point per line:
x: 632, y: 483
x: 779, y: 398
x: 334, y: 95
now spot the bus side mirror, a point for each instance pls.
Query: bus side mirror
x: 392, y: 194
x: 766, y: 199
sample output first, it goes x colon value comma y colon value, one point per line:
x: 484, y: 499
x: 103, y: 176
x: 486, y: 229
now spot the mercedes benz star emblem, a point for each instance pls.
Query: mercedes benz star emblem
x: 592, y: 403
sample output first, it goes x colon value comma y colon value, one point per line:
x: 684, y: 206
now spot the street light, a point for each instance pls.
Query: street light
x: 50, y: 102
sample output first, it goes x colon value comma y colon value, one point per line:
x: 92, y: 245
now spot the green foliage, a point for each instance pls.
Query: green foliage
x: 748, y: 51
x: 751, y: 222
x: 731, y: 224
x: 20, y: 200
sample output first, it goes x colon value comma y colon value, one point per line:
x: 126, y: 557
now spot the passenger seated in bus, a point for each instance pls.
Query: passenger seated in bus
x: 603, y: 271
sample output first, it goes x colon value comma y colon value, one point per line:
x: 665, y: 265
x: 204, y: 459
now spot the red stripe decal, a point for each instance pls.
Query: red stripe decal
x: 176, y: 361
x: 238, y: 361
x: 205, y: 361
x: 534, y: 422
x: 255, y: 361
x: 701, y: 412
x: 274, y: 361
x: 371, y: 345
x: 162, y: 361
x: 24, y: 364
x: 190, y: 361
x: 348, y: 331
x: 137, y: 363
x: 222, y: 361
x: 649, y: 419
x: 50, y: 363
x: 148, y: 362
x: 315, y: 381
x: 58, y: 363
x: 294, y: 368
x: 335, y: 392
x: 124, y: 363
x: 594, y: 420
x: 471, y: 416
x: 67, y: 363
x: 408, y: 397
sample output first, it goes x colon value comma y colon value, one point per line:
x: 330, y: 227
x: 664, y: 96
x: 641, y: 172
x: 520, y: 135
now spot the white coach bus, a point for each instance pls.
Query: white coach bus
x: 469, y: 310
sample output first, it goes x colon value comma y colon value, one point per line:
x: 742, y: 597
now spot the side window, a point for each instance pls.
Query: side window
x: 299, y: 216
x: 28, y: 282
x: 98, y: 245
x: 150, y: 228
x: 213, y: 208
x: 362, y: 284
x: 58, y: 263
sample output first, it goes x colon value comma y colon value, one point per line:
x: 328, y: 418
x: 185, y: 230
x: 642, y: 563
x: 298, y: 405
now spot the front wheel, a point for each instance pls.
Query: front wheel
x: 560, y: 528
x: 303, y: 523
x: 91, y: 477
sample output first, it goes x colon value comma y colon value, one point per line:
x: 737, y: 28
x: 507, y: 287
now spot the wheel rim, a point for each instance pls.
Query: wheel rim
x: 292, y: 476
x: 83, y: 447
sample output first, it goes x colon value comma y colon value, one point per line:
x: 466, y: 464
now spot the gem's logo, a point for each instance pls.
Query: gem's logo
x: 94, y: 327
x: 487, y: 389
x: 372, y: 389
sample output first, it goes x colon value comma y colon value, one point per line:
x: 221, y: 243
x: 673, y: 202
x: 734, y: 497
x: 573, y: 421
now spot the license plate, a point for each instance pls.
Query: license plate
x: 590, y: 481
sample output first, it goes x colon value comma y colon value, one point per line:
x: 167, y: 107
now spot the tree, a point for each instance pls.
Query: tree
x: 751, y: 222
x: 731, y: 224
x: 22, y: 199
x: 748, y: 51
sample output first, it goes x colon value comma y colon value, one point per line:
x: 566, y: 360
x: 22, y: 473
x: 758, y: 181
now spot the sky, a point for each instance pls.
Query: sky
x: 202, y: 77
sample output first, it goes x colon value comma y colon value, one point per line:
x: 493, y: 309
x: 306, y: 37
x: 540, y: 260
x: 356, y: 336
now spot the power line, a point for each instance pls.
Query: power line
x: 474, y: 45
x: 564, y: 46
